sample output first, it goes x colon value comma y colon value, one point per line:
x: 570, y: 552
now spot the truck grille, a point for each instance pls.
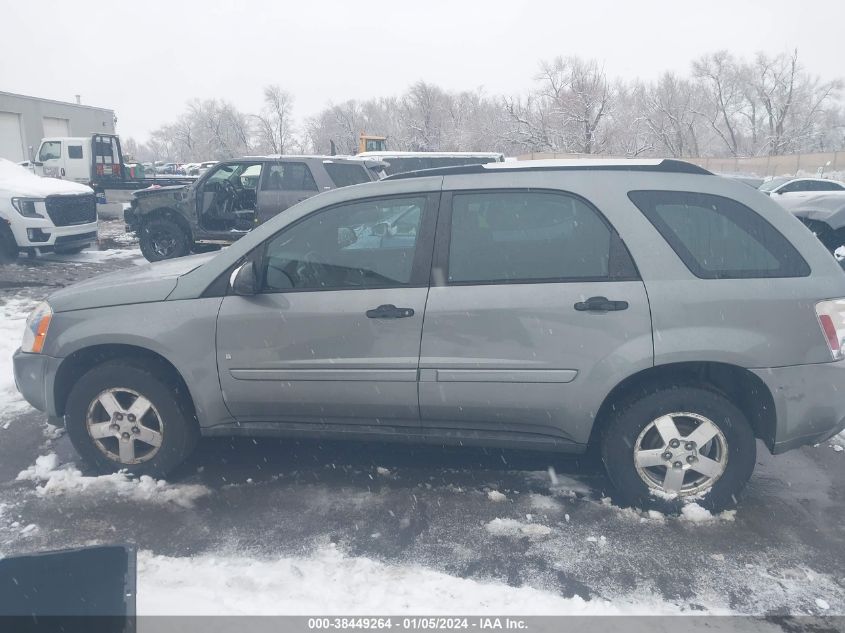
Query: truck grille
x: 67, y: 210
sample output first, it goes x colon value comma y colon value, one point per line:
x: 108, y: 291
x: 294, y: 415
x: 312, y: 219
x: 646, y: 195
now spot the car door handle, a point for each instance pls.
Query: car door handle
x: 390, y: 311
x: 600, y: 304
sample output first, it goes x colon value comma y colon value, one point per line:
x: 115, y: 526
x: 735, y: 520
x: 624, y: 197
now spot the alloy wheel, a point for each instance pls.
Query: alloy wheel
x: 125, y: 426
x: 681, y: 454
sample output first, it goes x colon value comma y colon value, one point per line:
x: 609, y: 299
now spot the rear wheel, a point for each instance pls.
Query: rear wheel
x: 123, y: 415
x: 8, y: 246
x: 162, y: 238
x: 668, y: 446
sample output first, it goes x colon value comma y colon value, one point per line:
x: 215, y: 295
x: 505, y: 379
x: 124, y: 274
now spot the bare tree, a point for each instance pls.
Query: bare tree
x: 275, y: 123
x: 724, y: 99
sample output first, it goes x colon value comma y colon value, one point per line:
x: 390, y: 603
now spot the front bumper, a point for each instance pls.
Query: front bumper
x: 34, y: 376
x: 43, y: 234
x: 809, y: 403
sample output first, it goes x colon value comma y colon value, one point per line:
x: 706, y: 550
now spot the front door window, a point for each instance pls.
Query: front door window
x: 227, y: 197
x: 368, y: 244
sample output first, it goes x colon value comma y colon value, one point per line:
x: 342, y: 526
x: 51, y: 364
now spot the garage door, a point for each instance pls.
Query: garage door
x: 56, y: 127
x: 11, y: 139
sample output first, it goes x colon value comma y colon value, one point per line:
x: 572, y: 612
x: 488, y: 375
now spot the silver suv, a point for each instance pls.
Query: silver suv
x: 650, y: 309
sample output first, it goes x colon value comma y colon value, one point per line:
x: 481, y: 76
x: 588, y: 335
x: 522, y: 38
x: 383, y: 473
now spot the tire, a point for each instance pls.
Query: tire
x: 8, y: 246
x: 161, y: 238
x: 170, y: 415
x: 634, y: 425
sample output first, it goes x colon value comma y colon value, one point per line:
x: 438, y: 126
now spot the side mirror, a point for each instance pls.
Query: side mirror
x: 244, y: 281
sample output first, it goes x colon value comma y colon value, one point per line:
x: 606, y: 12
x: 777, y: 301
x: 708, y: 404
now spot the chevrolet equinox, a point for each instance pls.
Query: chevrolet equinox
x: 666, y: 316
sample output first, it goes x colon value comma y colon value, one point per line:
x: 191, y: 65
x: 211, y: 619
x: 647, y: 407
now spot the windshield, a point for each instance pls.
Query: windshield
x: 773, y: 184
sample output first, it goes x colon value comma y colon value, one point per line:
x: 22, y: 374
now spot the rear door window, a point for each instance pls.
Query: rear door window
x: 719, y: 238
x: 289, y: 177
x: 345, y: 174
x: 827, y: 186
x: 531, y: 236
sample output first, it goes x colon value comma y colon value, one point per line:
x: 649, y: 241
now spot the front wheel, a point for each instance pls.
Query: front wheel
x: 162, y: 238
x: 122, y: 415
x: 668, y: 446
x: 8, y: 246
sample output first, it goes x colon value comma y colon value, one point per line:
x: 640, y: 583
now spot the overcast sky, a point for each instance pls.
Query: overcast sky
x: 146, y: 58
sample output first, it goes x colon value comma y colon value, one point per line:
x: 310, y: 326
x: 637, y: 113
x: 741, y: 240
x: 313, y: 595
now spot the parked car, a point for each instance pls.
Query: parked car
x: 230, y: 199
x: 399, y: 162
x: 168, y: 168
x: 42, y: 215
x: 824, y: 215
x: 792, y: 192
x: 664, y: 315
x: 751, y: 181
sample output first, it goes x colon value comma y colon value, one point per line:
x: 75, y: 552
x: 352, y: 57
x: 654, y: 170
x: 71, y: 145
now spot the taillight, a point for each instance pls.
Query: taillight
x: 831, y: 315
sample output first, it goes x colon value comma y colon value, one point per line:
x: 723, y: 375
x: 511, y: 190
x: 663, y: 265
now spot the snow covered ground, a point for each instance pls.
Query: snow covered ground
x: 329, y: 582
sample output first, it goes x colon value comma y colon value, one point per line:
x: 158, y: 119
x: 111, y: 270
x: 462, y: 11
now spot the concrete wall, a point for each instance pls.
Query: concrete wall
x: 82, y: 120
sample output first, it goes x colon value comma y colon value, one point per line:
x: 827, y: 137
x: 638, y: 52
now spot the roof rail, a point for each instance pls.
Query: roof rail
x: 666, y: 165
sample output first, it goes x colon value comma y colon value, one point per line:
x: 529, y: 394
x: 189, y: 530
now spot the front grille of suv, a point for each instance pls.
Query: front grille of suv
x: 67, y: 210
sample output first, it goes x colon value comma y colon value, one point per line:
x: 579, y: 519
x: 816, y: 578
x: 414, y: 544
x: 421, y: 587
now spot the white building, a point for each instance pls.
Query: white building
x: 24, y: 121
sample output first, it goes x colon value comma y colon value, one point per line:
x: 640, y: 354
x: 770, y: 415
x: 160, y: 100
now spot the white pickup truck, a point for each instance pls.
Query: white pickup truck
x: 40, y: 215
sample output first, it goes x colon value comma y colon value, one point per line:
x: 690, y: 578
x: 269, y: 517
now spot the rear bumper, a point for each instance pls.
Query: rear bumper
x: 809, y: 403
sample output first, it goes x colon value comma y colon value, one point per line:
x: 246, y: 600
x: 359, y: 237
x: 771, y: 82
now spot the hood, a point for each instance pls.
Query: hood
x: 820, y: 207
x: 154, y: 189
x: 141, y: 284
x: 19, y: 181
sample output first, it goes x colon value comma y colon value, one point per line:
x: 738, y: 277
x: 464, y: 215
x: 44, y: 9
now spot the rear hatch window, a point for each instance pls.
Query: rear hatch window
x: 344, y: 174
x: 719, y: 238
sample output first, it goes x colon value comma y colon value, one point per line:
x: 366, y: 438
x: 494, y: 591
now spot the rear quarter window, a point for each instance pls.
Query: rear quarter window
x: 345, y: 174
x: 719, y: 238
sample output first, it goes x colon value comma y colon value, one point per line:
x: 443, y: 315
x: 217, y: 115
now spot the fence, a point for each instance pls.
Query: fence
x: 761, y: 166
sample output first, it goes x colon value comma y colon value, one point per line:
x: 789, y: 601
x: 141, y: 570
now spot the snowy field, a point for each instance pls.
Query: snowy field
x: 268, y: 527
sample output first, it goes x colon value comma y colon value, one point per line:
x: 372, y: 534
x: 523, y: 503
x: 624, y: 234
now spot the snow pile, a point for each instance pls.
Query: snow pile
x: 94, y: 256
x: 21, y: 182
x: 694, y: 513
x: 330, y: 583
x: 68, y: 480
x: 13, y: 316
x: 512, y: 527
x: 495, y: 495
x: 544, y: 503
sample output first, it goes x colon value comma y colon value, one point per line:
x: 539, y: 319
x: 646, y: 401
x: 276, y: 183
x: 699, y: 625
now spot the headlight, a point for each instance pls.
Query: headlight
x: 26, y: 207
x: 35, y: 332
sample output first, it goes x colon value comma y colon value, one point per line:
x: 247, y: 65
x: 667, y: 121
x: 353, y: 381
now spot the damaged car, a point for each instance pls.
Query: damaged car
x: 230, y: 199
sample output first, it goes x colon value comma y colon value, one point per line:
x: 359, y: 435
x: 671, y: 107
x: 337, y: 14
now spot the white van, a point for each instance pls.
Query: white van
x: 40, y: 215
